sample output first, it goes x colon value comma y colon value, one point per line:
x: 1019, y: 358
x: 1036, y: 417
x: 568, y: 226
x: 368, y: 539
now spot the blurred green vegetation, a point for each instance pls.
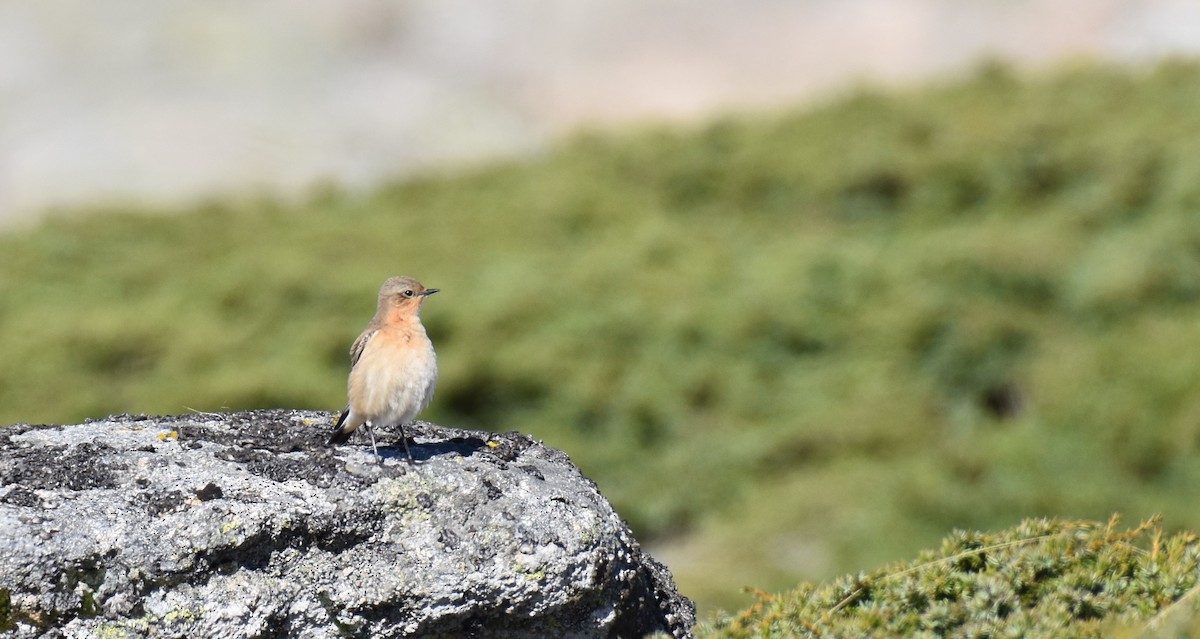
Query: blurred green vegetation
x: 1042, y: 578
x: 787, y: 346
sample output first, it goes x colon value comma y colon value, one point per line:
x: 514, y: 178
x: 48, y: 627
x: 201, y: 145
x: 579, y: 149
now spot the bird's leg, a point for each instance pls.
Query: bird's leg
x: 404, y: 440
x: 373, y: 446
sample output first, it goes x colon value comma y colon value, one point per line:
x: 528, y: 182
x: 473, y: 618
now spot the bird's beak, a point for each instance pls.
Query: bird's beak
x: 430, y: 291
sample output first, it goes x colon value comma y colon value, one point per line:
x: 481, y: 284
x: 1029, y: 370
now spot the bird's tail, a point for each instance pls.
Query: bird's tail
x: 341, y: 430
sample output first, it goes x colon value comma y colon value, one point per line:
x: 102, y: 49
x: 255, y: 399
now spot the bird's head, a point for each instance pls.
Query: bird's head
x: 403, y: 294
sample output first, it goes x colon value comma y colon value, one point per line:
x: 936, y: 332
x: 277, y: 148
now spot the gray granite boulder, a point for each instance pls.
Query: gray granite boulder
x: 245, y: 525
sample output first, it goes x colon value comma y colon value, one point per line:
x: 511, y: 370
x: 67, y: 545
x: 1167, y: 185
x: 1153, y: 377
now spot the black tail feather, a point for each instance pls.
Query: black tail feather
x: 338, y: 436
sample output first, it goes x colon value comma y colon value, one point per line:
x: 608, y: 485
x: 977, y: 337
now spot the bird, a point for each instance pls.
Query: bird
x: 393, y: 368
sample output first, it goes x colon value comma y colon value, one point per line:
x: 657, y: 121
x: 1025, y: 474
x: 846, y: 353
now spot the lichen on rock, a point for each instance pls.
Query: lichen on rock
x: 244, y: 524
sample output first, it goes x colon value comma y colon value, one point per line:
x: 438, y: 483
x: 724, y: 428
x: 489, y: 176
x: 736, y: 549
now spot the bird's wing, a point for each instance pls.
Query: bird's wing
x: 360, y: 344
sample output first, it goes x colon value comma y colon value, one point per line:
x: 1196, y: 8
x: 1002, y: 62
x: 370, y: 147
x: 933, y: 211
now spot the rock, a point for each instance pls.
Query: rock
x: 246, y: 525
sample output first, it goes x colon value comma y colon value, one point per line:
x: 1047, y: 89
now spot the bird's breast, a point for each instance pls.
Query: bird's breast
x: 395, y: 377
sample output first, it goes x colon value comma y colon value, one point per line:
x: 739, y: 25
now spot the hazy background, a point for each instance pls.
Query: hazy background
x: 806, y: 336
x: 167, y: 101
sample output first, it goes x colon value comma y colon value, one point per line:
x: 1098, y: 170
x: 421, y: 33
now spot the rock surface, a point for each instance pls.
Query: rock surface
x: 245, y: 525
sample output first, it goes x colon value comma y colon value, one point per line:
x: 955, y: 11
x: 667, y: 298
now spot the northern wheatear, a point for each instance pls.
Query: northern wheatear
x: 393, y: 369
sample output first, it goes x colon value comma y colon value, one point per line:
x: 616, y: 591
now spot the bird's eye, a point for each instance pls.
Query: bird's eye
x: 408, y: 292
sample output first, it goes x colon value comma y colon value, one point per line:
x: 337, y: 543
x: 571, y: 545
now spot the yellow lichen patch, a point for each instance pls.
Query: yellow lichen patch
x: 109, y: 631
x: 182, y: 614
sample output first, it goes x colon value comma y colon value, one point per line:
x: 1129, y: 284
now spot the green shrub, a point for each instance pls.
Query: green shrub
x: 837, y: 332
x: 1043, y: 578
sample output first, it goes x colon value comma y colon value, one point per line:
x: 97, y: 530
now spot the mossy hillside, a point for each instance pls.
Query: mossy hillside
x: 838, y: 332
x: 1043, y: 578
